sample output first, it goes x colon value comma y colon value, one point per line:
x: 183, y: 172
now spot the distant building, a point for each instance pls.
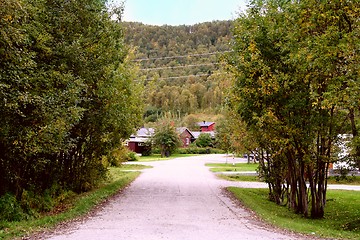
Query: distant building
x: 186, y: 136
x: 137, y: 141
x: 206, y: 126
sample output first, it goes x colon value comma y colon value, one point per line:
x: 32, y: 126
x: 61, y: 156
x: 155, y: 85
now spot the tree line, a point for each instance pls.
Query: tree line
x: 295, y: 91
x: 179, y: 66
x: 67, y: 94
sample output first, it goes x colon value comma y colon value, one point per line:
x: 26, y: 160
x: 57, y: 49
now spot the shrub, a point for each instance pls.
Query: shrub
x: 33, y: 203
x: 197, y: 150
x: 217, y: 151
x: 131, y: 156
x: 10, y: 209
x: 122, y: 155
x: 204, y: 140
x: 147, y: 149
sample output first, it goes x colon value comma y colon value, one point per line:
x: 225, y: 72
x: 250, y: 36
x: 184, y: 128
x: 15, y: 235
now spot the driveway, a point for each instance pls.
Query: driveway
x: 177, y: 199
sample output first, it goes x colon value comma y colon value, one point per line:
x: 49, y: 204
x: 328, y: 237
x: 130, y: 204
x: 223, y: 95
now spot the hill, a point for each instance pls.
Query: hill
x: 179, y: 66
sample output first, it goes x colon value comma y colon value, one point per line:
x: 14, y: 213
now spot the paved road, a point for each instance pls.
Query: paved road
x: 177, y: 199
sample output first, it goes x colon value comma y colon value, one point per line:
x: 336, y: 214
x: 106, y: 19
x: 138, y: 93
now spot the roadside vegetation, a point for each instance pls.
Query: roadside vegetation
x: 341, y: 219
x: 289, y: 103
x: 68, y: 100
x: 240, y: 178
x: 133, y: 167
x: 349, y: 180
x: 229, y: 167
x: 69, y: 206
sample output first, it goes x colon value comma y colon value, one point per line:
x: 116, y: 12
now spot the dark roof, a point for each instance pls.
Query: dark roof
x: 205, y: 124
x: 180, y: 130
x: 144, y: 132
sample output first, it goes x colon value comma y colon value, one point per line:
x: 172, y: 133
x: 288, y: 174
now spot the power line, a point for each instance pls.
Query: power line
x: 187, y: 76
x: 180, y: 56
x: 184, y: 66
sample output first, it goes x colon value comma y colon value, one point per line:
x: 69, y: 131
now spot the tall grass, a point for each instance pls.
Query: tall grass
x: 81, y: 204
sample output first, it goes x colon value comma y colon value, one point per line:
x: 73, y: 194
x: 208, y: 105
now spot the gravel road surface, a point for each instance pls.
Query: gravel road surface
x: 177, y: 199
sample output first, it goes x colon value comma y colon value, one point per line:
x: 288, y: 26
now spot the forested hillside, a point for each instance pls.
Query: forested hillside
x: 179, y: 66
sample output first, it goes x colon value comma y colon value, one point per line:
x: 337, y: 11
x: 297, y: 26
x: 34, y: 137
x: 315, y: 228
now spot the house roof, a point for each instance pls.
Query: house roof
x: 144, y: 132
x: 205, y: 124
x: 180, y: 130
x: 138, y: 140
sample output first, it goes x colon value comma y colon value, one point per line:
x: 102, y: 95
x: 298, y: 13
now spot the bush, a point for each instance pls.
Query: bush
x: 156, y: 151
x: 217, y: 151
x: 131, y: 156
x: 147, y: 151
x: 33, y: 203
x: 197, y: 150
x: 122, y: 155
x: 204, y: 140
x: 10, y: 209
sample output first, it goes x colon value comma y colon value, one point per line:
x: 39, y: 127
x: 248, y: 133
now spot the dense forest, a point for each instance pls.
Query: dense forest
x: 179, y: 66
x: 67, y: 96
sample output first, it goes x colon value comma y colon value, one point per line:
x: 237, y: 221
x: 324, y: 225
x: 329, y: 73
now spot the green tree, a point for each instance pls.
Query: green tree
x: 204, y: 140
x: 66, y: 93
x: 166, y: 138
x: 287, y: 57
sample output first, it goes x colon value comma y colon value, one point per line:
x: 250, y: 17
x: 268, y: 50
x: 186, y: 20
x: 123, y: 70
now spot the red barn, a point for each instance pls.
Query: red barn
x: 207, y: 126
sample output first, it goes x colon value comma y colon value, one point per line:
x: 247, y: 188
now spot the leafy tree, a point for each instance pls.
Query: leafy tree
x: 166, y: 138
x: 204, y: 140
x: 66, y: 93
x: 287, y: 60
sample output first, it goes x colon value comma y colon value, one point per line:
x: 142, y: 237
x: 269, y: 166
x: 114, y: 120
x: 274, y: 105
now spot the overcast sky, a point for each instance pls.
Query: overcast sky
x: 179, y: 12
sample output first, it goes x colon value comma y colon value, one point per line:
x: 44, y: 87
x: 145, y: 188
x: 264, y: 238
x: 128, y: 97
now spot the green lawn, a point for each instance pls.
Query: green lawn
x: 352, y: 180
x: 240, y: 178
x: 342, y: 213
x: 229, y: 167
x: 133, y: 167
x: 76, y: 206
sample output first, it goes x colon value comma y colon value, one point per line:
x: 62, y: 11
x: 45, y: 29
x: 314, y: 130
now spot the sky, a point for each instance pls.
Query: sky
x: 181, y: 12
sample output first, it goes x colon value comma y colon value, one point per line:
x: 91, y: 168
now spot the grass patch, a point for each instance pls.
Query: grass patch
x: 133, y: 167
x: 240, y: 178
x: 342, y: 213
x: 157, y: 157
x: 348, y: 180
x: 229, y: 167
x: 81, y: 205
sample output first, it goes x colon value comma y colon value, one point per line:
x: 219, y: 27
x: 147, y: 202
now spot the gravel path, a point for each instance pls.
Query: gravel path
x: 177, y: 199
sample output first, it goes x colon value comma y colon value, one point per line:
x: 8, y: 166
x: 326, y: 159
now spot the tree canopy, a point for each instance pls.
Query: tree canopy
x: 179, y: 66
x: 67, y: 93
x: 296, y: 77
x: 166, y: 137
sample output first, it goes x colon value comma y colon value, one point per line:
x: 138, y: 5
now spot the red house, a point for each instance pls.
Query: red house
x: 185, y: 135
x: 207, y: 126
